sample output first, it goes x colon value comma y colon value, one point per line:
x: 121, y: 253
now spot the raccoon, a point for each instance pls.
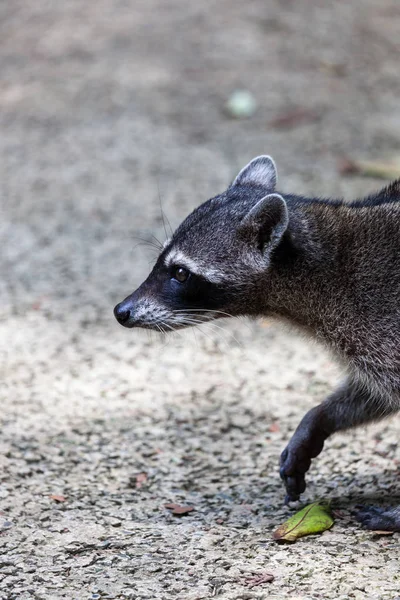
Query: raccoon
x: 330, y: 267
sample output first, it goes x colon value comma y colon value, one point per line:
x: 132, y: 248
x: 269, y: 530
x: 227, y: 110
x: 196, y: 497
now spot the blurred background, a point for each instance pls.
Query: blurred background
x: 103, y: 104
x: 106, y: 109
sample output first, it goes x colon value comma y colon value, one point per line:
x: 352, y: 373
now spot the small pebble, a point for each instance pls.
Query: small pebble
x: 241, y: 104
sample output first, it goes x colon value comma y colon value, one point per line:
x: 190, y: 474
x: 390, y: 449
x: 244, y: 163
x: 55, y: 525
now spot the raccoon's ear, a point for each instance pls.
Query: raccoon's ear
x: 259, y: 171
x: 265, y: 224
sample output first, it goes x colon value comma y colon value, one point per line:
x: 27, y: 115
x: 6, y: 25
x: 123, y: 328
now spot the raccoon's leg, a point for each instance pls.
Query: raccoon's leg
x: 350, y: 405
x: 382, y: 519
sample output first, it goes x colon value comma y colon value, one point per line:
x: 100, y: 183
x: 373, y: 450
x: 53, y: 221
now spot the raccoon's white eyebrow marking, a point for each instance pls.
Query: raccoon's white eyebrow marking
x: 165, y: 244
x: 177, y: 257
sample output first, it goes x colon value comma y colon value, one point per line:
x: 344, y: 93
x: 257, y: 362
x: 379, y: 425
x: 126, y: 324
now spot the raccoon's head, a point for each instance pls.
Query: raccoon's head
x: 216, y: 259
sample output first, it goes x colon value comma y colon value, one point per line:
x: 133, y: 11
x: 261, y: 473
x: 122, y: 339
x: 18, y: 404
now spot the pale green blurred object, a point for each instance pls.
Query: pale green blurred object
x: 314, y: 518
x: 241, y: 104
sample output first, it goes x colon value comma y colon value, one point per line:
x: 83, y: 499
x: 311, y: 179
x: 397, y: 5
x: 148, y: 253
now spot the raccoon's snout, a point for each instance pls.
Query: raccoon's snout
x: 123, y: 312
x: 139, y: 310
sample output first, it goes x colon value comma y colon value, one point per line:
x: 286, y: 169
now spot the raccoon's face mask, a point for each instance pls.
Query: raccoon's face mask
x: 205, y: 270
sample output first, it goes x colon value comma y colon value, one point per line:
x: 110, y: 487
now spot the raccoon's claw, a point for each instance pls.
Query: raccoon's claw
x: 306, y: 443
x: 376, y: 518
x: 294, y: 466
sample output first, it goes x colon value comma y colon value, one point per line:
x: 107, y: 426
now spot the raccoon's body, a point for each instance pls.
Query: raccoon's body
x: 330, y: 267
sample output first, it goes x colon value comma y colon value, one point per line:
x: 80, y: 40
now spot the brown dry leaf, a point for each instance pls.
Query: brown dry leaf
x: 259, y: 579
x: 58, y: 498
x: 336, y: 69
x: 178, y: 509
x: 294, y: 118
x: 370, y: 168
x: 274, y: 427
x: 346, y: 166
x: 141, y: 478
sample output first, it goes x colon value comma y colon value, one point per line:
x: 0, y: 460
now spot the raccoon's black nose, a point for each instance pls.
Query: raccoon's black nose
x: 122, y: 313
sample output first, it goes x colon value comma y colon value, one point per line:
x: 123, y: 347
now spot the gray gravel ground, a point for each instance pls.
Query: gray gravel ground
x: 102, y: 104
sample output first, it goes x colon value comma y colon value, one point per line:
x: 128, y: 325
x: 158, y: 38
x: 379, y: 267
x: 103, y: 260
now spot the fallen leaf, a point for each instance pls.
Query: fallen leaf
x: 294, y: 118
x: 259, y: 579
x: 57, y: 498
x: 346, y: 166
x: 141, y: 478
x: 37, y: 304
x: 274, y: 427
x: 314, y: 518
x: 370, y: 168
x: 337, y: 69
x: 177, y: 509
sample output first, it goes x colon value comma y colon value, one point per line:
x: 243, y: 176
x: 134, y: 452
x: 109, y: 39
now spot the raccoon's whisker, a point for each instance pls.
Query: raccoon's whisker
x: 163, y: 215
x: 153, y: 244
x: 195, y: 337
x: 205, y: 310
x: 196, y: 320
x: 160, y: 327
x: 188, y: 322
x: 163, y: 324
x: 208, y: 310
x: 191, y: 322
x: 204, y: 333
x: 150, y: 336
x: 170, y: 328
x: 167, y: 329
x: 219, y: 332
x: 198, y: 329
x: 157, y: 241
x: 187, y: 317
x: 227, y: 333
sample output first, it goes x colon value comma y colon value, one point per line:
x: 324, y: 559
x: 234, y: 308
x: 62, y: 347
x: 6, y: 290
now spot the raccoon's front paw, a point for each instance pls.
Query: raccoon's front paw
x: 293, y: 467
x: 306, y: 443
x: 376, y: 518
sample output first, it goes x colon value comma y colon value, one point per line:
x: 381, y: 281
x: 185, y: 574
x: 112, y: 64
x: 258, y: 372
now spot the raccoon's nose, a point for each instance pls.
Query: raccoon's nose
x: 122, y: 313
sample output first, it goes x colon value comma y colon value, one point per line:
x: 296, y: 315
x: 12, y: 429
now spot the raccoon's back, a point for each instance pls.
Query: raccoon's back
x: 387, y: 195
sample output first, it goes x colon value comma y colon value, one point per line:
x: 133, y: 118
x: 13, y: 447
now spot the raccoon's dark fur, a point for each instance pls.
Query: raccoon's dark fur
x: 330, y: 267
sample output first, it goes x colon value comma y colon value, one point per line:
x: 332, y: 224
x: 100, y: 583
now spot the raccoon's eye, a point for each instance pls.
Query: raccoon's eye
x: 180, y: 274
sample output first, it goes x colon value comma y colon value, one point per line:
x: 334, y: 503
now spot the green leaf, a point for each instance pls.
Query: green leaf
x: 314, y: 518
